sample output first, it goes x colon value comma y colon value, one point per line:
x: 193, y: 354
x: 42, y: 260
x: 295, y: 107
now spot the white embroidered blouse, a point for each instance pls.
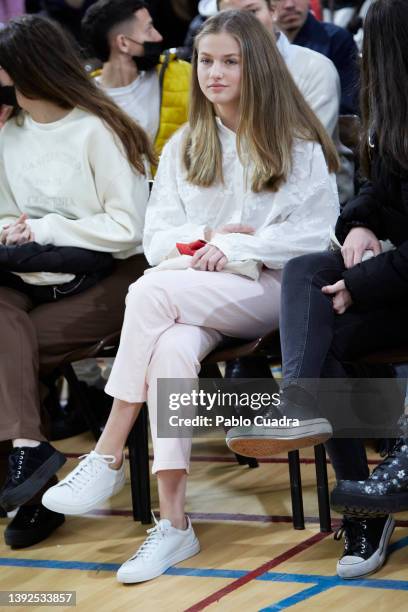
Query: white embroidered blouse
x: 293, y: 221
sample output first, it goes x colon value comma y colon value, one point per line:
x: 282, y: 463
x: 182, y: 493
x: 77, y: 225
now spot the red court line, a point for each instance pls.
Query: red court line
x: 262, y: 569
x: 221, y: 459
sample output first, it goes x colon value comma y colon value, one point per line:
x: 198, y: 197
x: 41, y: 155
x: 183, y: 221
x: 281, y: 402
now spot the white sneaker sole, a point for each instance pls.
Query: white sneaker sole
x: 126, y: 576
x: 374, y: 563
x: 261, y: 442
x: 76, y: 509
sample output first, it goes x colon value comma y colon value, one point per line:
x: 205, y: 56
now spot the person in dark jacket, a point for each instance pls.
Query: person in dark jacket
x: 339, y: 305
x: 296, y: 21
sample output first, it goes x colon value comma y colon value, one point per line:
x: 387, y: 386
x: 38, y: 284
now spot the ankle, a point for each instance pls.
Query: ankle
x: 178, y: 522
x: 117, y: 464
x: 118, y: 455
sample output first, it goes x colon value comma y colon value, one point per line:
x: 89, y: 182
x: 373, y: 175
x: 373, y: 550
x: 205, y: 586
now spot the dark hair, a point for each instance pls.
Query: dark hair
x: 384, y: 87
x: 44, y: 64
x: 99, y: 20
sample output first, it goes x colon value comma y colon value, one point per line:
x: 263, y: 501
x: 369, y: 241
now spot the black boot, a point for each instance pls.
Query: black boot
x: 365, y: 545
x: 32, y: 524
x: 29, y: 469
x: 384, y: 492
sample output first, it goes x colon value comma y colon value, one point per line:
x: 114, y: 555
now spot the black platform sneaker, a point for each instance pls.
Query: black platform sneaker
x: 384, y: 492
x: 365, y: 545
x: 31, y: 525
x: 29, y: 469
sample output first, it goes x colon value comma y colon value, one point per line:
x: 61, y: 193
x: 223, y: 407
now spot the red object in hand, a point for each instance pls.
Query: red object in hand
x: 191, y: 247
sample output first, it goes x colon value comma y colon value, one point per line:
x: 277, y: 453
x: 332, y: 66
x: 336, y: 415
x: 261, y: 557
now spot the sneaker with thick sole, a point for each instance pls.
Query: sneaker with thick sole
x: 365, y: 545
x: 31, y: 525
x: 29, y: 469
x: 275, y: 432
x: 165, y: 546
x: 384, y: 492
x: 90, y: 484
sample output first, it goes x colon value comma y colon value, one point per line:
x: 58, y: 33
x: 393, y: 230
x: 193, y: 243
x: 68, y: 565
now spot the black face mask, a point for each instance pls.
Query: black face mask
x: 151, y: 57
x: 8, y: 95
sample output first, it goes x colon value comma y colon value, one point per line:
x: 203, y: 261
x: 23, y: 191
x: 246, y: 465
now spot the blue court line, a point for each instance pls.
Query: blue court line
x: 52, y: 564
x: 292, y: 600
x: 319, y: 583
x: 324, y: 581
x: 397, y: 545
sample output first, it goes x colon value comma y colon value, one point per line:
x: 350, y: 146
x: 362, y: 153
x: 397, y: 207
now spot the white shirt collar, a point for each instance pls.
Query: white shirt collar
x: 284, y: 47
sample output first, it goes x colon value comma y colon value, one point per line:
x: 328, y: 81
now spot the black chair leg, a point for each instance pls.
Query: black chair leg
x: 322, y: 488
x: 296, y: 490
x: 81, y: 399
x: 249, y: 461
x: 138, y: 446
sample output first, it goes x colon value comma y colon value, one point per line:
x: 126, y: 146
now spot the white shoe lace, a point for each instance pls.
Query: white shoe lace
x: 87, y: 469
x: 156, y: 535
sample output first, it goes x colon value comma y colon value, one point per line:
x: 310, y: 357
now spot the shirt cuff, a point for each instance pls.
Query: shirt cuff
x: 223, y: 243
x: 39, y: 229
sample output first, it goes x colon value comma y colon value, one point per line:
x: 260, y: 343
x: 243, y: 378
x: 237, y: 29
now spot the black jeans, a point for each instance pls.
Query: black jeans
x: 315, y: 341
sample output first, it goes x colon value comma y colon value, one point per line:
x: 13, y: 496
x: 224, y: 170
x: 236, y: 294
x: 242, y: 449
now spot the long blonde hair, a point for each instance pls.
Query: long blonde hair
x: 272, y: 111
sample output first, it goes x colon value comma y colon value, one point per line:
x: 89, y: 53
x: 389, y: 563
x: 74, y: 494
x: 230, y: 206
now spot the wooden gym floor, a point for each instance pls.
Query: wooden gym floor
x: 252, y: 559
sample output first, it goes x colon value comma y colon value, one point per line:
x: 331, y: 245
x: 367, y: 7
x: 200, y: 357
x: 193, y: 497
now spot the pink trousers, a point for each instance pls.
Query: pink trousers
x: 173, y: 319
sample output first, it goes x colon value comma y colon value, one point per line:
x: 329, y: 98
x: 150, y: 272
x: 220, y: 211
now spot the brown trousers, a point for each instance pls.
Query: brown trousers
x: 37, y: 338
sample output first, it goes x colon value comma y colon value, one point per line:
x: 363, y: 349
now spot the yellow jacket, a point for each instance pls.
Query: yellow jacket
x: 174, y: 77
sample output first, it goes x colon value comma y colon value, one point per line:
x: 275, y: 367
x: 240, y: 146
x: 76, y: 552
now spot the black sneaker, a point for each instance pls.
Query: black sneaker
x: 384, y: 492
x: 29, y: 470
x: 31, y: 525
x: 365, y: 545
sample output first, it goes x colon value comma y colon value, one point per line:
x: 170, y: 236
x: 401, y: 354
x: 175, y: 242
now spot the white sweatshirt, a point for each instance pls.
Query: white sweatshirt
x: 74, y: 182
x: 294, y: 221
x: 317, y: 79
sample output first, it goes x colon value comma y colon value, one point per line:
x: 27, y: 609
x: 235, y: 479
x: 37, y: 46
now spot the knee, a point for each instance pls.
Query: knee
x: 308, y: 266
x: 144, y: 292
x: 172, y: 345
x: 174, y: 356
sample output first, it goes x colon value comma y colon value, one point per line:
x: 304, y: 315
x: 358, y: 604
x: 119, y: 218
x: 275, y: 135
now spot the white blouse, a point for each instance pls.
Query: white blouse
x: 293, y: 221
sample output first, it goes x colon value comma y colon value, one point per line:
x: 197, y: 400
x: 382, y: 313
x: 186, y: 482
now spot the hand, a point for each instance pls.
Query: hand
x: 230, y: 228
x: 209, y: 258
x: 341, y: 296
x: 359, y: 240
x: 17, y: 233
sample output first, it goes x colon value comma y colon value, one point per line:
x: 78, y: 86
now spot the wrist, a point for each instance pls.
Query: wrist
x: 208, y: 234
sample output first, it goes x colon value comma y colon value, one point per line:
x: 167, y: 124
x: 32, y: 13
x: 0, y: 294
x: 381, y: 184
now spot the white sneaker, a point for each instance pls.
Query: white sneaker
x: 88, y: 485
x: 165, y: 546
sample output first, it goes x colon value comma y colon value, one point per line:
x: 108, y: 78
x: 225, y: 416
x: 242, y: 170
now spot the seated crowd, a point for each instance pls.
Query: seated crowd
x: 251, y: 166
